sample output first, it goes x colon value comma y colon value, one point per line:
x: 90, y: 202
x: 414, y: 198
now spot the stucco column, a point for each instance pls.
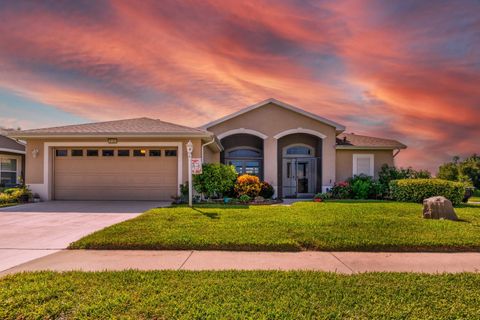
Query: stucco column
x: 270, y: 162
x: 328, y: 162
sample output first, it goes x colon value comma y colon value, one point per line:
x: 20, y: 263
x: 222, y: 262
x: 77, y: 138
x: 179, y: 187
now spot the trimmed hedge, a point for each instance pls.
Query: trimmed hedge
x: 416, y: 190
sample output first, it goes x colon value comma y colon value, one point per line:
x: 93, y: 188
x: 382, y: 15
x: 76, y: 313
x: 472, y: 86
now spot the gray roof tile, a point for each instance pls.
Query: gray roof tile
x: 355, y: 140
x: 137, y: 126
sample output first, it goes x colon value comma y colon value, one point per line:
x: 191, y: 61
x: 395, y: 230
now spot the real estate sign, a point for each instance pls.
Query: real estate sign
x: 196, y: 166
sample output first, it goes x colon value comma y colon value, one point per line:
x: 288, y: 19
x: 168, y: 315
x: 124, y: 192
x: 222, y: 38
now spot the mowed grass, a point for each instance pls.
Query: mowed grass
x: 356, y: 226
x: 238, y: 295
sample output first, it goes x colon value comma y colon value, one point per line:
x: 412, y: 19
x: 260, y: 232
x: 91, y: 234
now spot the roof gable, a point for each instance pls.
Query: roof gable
x: 281, y: 104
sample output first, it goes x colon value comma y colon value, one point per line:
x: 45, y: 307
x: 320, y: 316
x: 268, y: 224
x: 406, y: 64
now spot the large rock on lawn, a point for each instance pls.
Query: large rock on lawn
x: 438, y: 208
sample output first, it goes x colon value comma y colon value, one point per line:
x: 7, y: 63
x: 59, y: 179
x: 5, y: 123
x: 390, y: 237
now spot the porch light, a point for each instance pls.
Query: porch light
x: 189, y: 146
x: 35, y: 153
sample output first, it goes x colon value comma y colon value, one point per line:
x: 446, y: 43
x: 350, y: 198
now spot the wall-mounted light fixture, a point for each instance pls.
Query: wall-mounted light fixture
x: 35, y: 152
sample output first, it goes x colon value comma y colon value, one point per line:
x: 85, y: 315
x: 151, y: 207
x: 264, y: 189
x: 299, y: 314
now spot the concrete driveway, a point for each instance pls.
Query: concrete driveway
x: 35, y: 230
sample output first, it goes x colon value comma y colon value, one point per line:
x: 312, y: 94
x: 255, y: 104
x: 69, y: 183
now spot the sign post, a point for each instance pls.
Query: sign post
x: 190, y: 189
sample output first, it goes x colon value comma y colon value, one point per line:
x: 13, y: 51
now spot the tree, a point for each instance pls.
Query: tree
x: 215, y: 180
x: 467, y: 170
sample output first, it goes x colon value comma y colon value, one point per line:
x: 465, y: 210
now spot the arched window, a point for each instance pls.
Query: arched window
x: 298, y: 151
x: 244, y: 153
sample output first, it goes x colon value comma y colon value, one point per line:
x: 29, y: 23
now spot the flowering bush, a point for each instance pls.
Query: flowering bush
x: 341, y: 190
x: 249, y: 185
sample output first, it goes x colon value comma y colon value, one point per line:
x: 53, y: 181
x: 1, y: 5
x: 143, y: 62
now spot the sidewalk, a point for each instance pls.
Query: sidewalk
x: 340, y: 262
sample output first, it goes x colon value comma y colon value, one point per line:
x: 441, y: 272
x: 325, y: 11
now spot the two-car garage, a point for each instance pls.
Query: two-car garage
x: 122, y: 173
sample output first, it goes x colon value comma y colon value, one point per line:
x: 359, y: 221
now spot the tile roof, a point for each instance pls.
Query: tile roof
x: 351, y: 140
x: 128, y: 127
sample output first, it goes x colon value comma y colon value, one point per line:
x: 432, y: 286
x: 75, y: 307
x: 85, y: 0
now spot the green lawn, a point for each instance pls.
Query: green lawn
x: 356, y: 226
x: 238, y: 295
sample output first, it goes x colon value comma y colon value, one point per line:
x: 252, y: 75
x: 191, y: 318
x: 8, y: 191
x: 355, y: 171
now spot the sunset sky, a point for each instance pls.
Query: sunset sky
x: 407, y: 70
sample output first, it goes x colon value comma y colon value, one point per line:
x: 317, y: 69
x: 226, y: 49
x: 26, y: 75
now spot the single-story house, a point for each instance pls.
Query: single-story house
x: 12, y: 159
x: 298, y: 152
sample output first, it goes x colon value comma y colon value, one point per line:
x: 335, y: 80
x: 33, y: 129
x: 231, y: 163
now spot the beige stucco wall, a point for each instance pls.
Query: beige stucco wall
x: 211, y: 156
x: 271, y: 120
x: 345, y: 161
x: 34, y: 167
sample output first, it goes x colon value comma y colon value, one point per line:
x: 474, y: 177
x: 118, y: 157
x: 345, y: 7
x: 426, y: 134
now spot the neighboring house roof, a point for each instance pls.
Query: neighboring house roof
x: 337, y: 126
x: 355, y: 141
x: 10, y: 145
x: 129, y: 127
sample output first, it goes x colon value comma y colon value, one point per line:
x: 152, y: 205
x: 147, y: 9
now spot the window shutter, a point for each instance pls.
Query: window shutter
x: 363, y: 166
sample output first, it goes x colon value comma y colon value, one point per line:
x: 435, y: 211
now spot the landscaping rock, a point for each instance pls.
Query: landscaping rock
x: 438, y: 208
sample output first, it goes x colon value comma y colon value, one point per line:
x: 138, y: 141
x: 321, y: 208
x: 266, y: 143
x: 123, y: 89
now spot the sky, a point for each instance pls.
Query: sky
x: 406, y: 70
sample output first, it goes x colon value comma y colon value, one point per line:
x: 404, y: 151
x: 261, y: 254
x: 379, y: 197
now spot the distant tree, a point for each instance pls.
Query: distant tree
x: 467, y: 170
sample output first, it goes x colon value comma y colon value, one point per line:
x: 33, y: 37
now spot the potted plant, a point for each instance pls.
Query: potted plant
x: 320, y: 197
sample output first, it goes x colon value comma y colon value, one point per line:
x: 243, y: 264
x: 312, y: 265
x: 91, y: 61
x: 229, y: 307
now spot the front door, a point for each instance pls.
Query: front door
x: 298, y: 177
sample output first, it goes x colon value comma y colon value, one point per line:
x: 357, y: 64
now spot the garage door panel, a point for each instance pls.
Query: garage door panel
x: 115, y: 178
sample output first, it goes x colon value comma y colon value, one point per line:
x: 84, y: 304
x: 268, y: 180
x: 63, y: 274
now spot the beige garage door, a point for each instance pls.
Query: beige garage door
x: 115, y: 174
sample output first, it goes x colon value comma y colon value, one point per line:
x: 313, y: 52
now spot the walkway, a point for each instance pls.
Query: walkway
x: 340, y: 262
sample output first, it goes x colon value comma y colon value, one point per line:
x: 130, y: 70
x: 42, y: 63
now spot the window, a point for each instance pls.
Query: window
x: 77, y: 153
x: 139, y: 153
x: 299, y: 150
x: 246, y: 160
x: 108, y: 153
x: 61, y: 152
x: 124, y: 153
x: 363, y: 164
x: 252, y: 167
x: 238, y: 164
x: 170, y: 153
x: 92, y: 153
x: 8, y: 171
x: 244, y: 153
x: 155, y: 153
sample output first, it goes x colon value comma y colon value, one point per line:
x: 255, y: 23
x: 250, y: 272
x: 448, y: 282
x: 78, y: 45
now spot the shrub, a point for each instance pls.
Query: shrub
x: 416, y: 190
x: 215, y: 180
x: 266, y: 190
x: 5, y: 198
x: 245, y: 198
x: 248, y: 185
x: 341, y: 190
x: 388, y: 173
x: 322, y: 196
x: 12, y: 195
x: 362, y: 187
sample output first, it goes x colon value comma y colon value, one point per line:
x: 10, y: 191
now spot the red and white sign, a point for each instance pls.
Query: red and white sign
x: 196, y: 166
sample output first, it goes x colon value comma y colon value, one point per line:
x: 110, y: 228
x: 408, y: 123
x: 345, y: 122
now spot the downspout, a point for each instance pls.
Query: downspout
x: 396, y: 153
x: 203, y: 148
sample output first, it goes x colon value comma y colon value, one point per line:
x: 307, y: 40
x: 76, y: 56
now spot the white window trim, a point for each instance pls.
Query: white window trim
x: 242, y: 131
x: 299, y: 130
x: 364, y: 156
x: 44, y: 190
x: 19, y: 165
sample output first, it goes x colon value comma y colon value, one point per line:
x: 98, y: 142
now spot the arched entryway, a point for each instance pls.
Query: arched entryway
x: 299, y: 165
x: 245, y: 152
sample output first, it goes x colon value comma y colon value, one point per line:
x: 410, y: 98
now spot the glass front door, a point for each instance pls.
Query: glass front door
x: 299, y: 177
